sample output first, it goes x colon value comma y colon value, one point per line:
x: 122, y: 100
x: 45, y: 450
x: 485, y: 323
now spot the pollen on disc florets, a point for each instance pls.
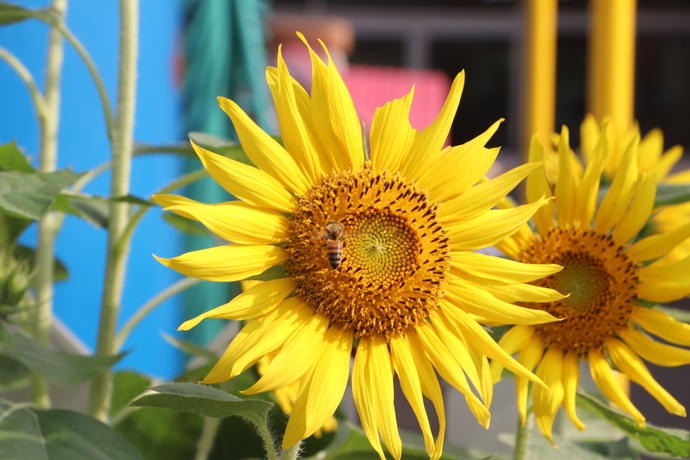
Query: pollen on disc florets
x: 395, y: 252
x: 601, y: 281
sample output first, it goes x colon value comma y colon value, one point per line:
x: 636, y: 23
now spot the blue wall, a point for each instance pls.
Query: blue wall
x: 83, y: 145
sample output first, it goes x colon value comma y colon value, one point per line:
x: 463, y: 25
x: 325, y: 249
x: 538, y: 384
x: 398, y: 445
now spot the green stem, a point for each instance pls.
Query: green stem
x: 522, y: 437
x: 208, y: 435
x: 181, y: 181
x: 116, y: 261
x: 149, y: 306
x: 28, y: 79
x: 45, y: 250
x: 291, y: 453
x: 90, y: 66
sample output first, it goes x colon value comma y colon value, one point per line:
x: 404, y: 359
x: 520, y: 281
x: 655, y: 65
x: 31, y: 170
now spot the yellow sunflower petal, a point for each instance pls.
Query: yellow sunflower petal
x: 255, y: 301
x: 590, y: 134
x: 565, y: 188
x: 446, y: 365
x: 617, y: 199
x: 237, y: 221
x: 454, y: 182
x: 655, y: 352
x: 609, y: 386
x: 231, y: 262
x: 479, y: 340
x: 406, y: 369
x: 428, y: 143
x: 640, y: 209
x: 297, y: 138
x: 655, y: 246
x: 251, y: 334
x: 588, y: 189
x: 525, y: 293
x: 430, y: 388
x: 631, y: 365
x: 391, y: 133
x: 264, y: 151
x: 663, y: 325
x: 247, y: 183
x: 334, y: 114
x: 513, y: 341
x: 537, y: 186
x: 457, y: 345
x: 303, y: 112
x: 668, y: 161
x: 476, y: 161
x: 571, y: 378
x: 465, y: 263
x: 323, y: 391
x: 474, y: 299
x: 381, y: 387
x: 490, y: 227
x: 529, y: 357
x: 284, y: 321
x: 651, y: 147
x: 298, y: 355
x: 548, y: 400
x: 366, y: 407
x: 483, y: 197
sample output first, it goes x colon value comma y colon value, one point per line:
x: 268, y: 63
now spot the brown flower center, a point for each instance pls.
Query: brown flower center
x: 395, y: 255
x: 601, y: 281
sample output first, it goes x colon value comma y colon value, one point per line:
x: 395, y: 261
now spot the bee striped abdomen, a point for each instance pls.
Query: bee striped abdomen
x: 334, y: 248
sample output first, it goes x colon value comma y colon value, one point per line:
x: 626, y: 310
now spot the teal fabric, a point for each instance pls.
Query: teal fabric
x: 225, y: 55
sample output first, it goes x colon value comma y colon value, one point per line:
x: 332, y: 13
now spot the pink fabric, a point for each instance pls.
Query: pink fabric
x: 373, y: 86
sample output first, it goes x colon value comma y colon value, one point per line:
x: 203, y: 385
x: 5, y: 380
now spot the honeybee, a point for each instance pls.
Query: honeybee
x: 334, y: 235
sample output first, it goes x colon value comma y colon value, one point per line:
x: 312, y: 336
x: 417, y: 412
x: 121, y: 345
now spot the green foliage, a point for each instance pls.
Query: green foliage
x: 188, y: 226
x: 30, y: 195
x: 10, y: 13
x: 205, y: 400
x: 13, y: 374
x: 27, y: 433
x: 58, y: 368
x: 674, y: 442
x: 671, y: 194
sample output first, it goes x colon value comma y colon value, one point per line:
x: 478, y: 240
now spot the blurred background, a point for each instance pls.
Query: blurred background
x: 194, y: 50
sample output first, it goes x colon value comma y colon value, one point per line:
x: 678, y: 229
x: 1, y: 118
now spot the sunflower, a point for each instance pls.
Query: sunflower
x: 651, y: 157
x: 611, y: 275
x: 406, y: 294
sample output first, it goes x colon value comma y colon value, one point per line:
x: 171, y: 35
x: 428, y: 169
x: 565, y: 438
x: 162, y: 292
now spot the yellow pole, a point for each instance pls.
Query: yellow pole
x: 611, y: 91
x: 539, y: 22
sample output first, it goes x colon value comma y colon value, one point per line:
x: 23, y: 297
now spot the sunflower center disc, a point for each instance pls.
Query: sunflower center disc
x: 601, y: 281
x: 395, y: 255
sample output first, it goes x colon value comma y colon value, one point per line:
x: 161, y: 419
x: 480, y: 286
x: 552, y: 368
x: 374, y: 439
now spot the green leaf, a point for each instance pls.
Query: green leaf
x: 13, y: 374
x: 10, y: 228
x: 670, y: 441
x: 351, y: 443
x: 187, y: 226
x: 190, y: 348
x: 205, y: 400
x: 56, y: 367
x: 30, y: 195
x: 10, y: 13
x: 127, y: 385
x: 27, y: 433
x: 11, y: 158
x: 671, y: 194
x: 94, y: 210
x: 273, y: 273
x: 25, y: 253
x: 221, y: 146
x: 540, y: 448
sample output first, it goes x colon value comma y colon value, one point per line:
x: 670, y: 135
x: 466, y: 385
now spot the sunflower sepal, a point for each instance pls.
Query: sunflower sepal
x: 675, y: 442
x: 667, y: 194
